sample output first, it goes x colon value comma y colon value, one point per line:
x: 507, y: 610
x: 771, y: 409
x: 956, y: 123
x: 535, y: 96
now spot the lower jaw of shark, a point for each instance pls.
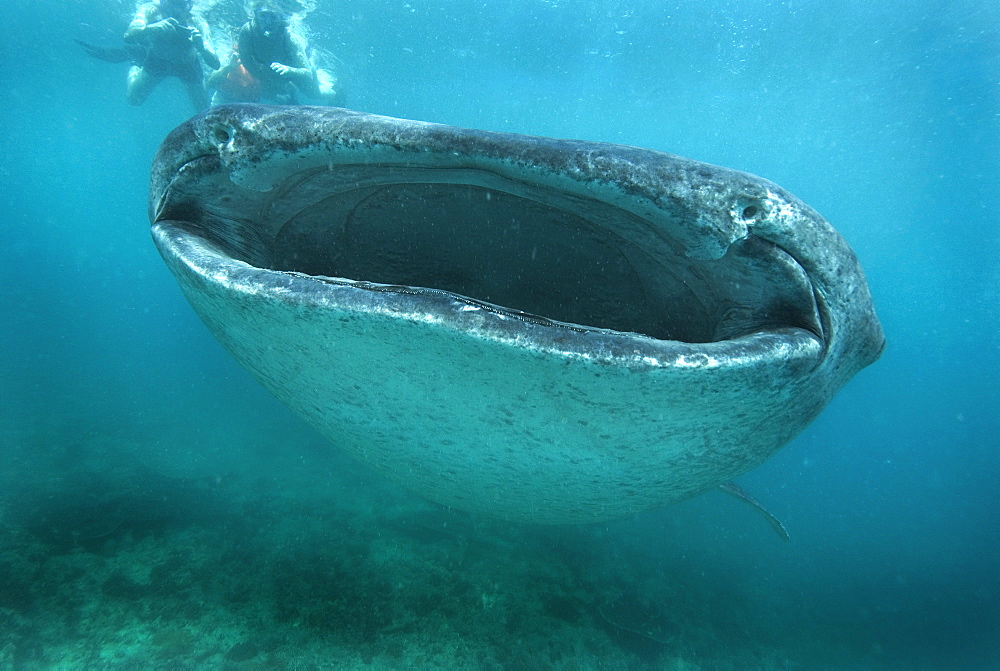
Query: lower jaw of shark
x: 542, y: 330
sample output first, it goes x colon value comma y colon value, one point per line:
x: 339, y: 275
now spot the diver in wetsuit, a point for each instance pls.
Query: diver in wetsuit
x: 276, y: 58
x: 176, y: 43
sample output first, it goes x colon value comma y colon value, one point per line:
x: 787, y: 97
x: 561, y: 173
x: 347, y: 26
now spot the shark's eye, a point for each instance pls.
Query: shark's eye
x: 222, y: 135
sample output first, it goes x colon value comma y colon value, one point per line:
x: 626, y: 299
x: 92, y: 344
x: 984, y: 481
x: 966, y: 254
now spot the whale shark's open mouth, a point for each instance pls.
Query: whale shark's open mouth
x: 526, y: 247
x: 611, y: 253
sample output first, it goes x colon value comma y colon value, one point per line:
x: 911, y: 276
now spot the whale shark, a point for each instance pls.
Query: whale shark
x: 543, y: 330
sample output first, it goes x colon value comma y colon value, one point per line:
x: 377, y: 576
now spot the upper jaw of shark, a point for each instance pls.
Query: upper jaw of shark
x: 406, y: 266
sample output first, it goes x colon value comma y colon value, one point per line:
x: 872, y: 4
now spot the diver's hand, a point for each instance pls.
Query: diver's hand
x: 195, y: 36
x: 280, y: 69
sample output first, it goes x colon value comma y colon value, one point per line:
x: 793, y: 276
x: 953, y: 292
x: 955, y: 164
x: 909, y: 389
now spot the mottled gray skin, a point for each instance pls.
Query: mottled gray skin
x: 543, y: 330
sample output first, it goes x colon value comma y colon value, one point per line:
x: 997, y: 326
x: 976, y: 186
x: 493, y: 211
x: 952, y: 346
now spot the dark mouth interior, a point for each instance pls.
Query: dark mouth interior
x: 522, y: 247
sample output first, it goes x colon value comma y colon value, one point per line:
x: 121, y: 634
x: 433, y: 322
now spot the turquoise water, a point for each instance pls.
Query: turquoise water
x: 158, y: 509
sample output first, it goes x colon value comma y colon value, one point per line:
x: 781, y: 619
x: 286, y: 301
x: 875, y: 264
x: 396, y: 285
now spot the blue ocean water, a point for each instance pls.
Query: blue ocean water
x: 160, y: 510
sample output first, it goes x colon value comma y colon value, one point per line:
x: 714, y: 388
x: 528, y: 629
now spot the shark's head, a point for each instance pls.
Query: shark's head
x: 542, y: 329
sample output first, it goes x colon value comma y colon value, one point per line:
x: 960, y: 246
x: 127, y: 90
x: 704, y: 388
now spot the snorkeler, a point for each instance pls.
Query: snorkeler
x: 176, y: 43
x: 233, y: 83
x: 276, y: 58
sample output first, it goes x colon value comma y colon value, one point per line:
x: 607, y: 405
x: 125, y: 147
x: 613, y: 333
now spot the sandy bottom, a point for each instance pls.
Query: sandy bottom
x: 127, y: 553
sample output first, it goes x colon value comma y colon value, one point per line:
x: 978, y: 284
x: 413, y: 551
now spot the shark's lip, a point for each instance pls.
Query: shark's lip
x: 224, y: 187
